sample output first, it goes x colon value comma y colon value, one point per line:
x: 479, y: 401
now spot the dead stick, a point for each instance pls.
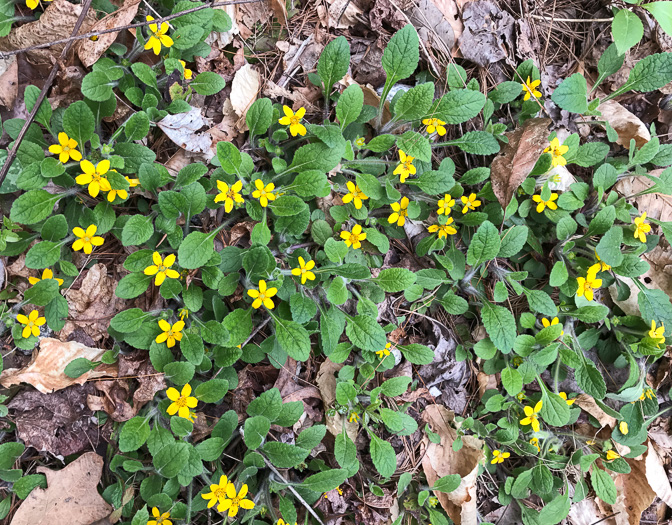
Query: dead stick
x: 43, y: 94
x: 5, y: 54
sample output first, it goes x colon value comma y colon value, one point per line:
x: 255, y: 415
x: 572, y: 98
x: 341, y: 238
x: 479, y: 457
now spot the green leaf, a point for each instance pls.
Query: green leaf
x: 485, y: 244
x: 337, y: 293
x: 383, y: 456
x: 349, y: 105
x: 133, y: 434
x: 311, y: 437
x: 559, y: 274
x: 610, y: 61
x: 33, y: 206
x: 293, y: 339
x: 187, y: 36
x: 132, y: 285
x: 500, y: 325
x: 137, y: 230
x: 284, y: 455
x: 662, y: 12
x: 554, y: 410
x: 334, y: 62
x: 129, y: 321
x: 414, y: 103
x: 316, y: 156
x: 402, y: 54
x: 572, y: 94
x: 393, y: 280
x: 43, y: 114
x: 627, y: 30
x: 447, y: 483
x: 207, y: 83
x: 325, y: 481
x: 192, y: 347
x: 365, y: 332
x: 255, y: 430
x: 476, y: 143
x: 539, y: 301
x: 172, y: 458
x: 97, y: 87
x: 506, y: 92
x: 370, y: 185
x: 650, y: 73
x: 459, y: 105
x: 590, y: 380
x: 287, y: 206
x: 137, y: 126
x: 609, y: 247
x: 211, y: 391
x: 196, y: 250
x: 512, y: 381
x: 259, y: 117
x: 435, y: 182
x: 415, y: 145
x: 9, y: 453
x: 604, y: 486
x: 79, y: 367
x: 417, y: 354
x: 654, y: 305
x: 79, y: 122
x: 43, y: 255
x: 42, y: 292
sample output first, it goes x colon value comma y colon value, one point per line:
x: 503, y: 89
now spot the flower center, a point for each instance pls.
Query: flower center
x: 181, y: 402
x: 162, y: 268
x: 235, y: 502
x: 403, y: 212
x: 66, y: 149
x: 86, y: 238
x: 231, y: 194
x: 220, y: 493
x: 294, y: 120
x: 262, y: 296
x: 407, y: 164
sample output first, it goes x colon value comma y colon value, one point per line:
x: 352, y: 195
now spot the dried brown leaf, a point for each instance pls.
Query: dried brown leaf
x: 90, y: 51
x: 182, y: 129
x: 656, y: 475
x: 517, y: 158
x: 9, y: 81
x: 71, y: 496
x: 588, y: 404
x: 626, y: 124
x: 244, y: 89
x: 634, y: 496
x: 45, y: 371
x: 279, y: 10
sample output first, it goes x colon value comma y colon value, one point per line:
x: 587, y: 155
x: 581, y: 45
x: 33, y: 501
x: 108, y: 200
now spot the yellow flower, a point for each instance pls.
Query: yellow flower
x: 31, y: 323
x: 354, y: 416
x: 181, y: 401
x: 217, y: 492
x: 262, y: 296
x: 587, y: 284
x: 590, y: 442
x: 161, y: 519
x: 434, y: 124
x: 405, y: 166
x: 557, y: 151
x: 113, y: 194
x: 170, y: 333
x: 360, y: 142
x: 355, y: 195
x: 86, y: 239
x: 546, y: 323
x: 520, y: 396
x: 184, y: 313
x: 283, y: 522
x: 655, y: 333
x: 161, y: 268
x: 541, y: 204
x: 443, y: 230
x: 188, y: 73
x: 470, y: 203
x: 569, y: 402
x: 32, y: 4
x: 611, y: 455
x: 530, y: 88
x: 132, y: 183
x: 191, y: 417
x: 647, y: 394
x: 445, y: 205
x: 158, y: 36
x: 263, y: 193
x: 623, y: 427
x: 93, y: 176
x: 354, y: 238
x: 230, y: 195
x: 399, y: 212
x: 293, y: 120
x: 46, y: 274
x: 498, y: 457
x: 604, y: 267
x: 641, y: 228
x: 385, y: 351
x: 517, y: 361
x: 532, y: 417
x: 65, y: 149
x: 433, y: 502
x: 235, y: 501
x: 535, y: 443
x: 304, y: 270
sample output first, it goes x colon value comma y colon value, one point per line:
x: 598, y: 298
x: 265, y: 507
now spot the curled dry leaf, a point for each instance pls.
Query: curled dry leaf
x: 656, y: 475
x: 182, y: 129
x: 9, y: 81
x: 71, y: 496
x: 625, y: 123
x: 244, y: 89
x: 340, y: 14
x: 326, y: 382
x: 45, y: 370
x: 279, y: 10
x: 586, y: 512
x: 588, y: 404
x: 517, y: 158
x: 438, y: 24
x: 57, y: 22
x: 441, y: 460
x: 90, y: 51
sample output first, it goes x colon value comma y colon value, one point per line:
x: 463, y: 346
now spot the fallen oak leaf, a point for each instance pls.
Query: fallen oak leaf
x: 71, y: 496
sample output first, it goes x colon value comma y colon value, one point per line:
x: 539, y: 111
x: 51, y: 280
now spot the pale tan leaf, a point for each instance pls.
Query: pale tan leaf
x: 626, y: 124
x: 656, y: 475
x: 586, y: 512
x: 46, y: 370
x: 182, y: 129
x: 588, y: 404
x: 244, y: 89
x: 634, y: 496
x: 279, y: 10
x: 326, y: 383
x: 9, y: 81
x: 517, y: 158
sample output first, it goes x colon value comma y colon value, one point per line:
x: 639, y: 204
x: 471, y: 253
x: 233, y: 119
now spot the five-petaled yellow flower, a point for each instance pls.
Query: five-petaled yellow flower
x: 181, y: 401
x: 532, y: 417
x: 188, y: 73
x: 399, y: 212
x: 65, y: 149
x: 47, y: 274
x: 354, y: 416
x: 161, y: 268
x: 217, y: 492
x: 158, y: 36
x: 641, y: 228
x: 647, y: 394
x: 498, y: 457
x: 235, y: 501
x: 445, y: 205
x: 293, y: 120
x: 542, y: 204
x: 443, y: 230
x: 623, y: 427
x: 405, y: 166
x: 263, y: 296
x: 86, y: 239
x: 385, y: 351
x: 546, y: 323
x: 470, y: 203
x: 354, y: 238
x: 170, y: 333
x: 435, y: 124
x: 588, y: 283
x: 93, y: 176
x: 535, y: 443
x: 557, y: 151
x: 263, y: 193
x: 31, y: 323
x: 304, y: 270
x: 355, y: 195
x: 655, y: 333
x: 611, y: 455
x: 530, y: 88
x: 230, y: 195
x: 569, y: 402
x: 160, y: 519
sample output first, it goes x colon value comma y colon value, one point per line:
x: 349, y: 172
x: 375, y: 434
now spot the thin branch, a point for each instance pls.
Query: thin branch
x: 5, y: 54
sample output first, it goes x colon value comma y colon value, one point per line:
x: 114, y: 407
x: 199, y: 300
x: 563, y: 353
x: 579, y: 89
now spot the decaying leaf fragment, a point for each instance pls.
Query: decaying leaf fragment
x: 45, y: 370
x: 517, y: 158
x: 71, y: 496
x: 183, y: 128
x: 244, y: 89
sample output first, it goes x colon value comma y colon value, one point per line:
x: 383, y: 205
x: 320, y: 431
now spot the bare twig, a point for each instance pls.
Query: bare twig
x: 574, y: 20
